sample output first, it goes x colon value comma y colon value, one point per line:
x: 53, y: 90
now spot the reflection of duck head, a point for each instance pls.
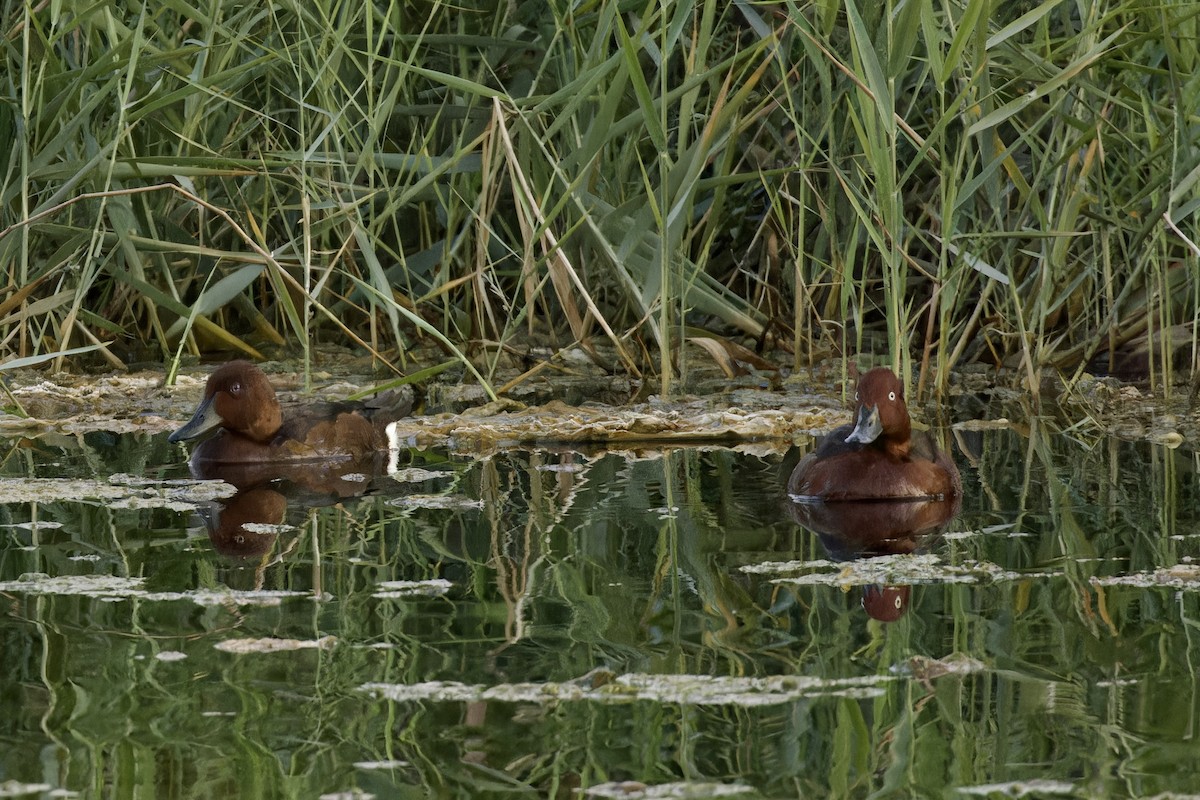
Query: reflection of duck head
x: 231, y: 522
x: 878, y: 457
x: 886, y: 603
x: 252, y: 428
x: 883, y: 527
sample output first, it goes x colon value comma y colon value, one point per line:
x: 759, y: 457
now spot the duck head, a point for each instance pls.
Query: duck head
x: 882, y: 415
x: 239, y: 398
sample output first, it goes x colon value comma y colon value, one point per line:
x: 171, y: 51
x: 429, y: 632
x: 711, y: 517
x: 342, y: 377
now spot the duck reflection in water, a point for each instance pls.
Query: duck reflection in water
x: 850, y: 531
x: 314, y: 454
x: 875, y: 487
x: 247, y: 524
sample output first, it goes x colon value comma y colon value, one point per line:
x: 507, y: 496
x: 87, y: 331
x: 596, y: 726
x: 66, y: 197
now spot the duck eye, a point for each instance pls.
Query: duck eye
x: 235, y: 389
x: 892, y: 396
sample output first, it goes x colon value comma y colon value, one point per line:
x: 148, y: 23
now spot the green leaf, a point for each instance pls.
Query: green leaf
x: 641, y: 89
x: 33, y: 361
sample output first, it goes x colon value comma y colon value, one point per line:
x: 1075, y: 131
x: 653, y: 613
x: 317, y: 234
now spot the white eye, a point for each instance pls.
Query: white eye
x: 892, y: 396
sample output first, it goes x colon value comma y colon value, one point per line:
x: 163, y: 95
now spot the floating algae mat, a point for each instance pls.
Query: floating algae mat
x: 634, y: 609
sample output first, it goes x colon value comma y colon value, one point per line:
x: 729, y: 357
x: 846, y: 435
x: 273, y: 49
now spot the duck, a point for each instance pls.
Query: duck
x: 878, y: 456
x: 251, y: 426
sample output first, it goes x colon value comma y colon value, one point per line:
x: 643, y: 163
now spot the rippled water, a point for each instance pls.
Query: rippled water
x: 538, y: 623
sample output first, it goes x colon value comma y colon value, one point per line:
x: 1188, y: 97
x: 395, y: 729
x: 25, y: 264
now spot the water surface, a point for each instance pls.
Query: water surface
x: 537, y: 623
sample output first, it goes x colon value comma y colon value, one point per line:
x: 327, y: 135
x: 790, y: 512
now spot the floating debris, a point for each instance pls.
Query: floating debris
x: 701, y: 690
x: 570, y: 466
x: 1021, y: 788
x: 272, y: 645
x: 394, y: 763
x: 634, y: 790
x: 112, y: 587
x: 896, y: 569
x: 435, y: 587
x: 776, y: 567
x: 266, y: 528
x: 711, y: 690
x: 119, y: 491
x: 18, y: 789
x: 926, y: 669
x: 417, y: 475
x: 444, y: 501
x: 349, y: 794
x: 1180, y: 576
x: 33, y: 526
x: 170, y: 655
x: 221, y: 597
x: 86, y: 585
x: 1117, y: 683
x: 493, y: 427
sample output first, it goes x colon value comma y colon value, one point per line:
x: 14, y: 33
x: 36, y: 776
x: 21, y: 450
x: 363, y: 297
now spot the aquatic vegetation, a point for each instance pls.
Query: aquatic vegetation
x: 1007, y: 184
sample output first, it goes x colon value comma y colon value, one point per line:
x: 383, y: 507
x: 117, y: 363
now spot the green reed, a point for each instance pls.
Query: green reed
x: 929, y: 184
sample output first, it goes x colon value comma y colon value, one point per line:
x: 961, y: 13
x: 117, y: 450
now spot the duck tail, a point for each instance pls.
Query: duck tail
x: 389, y: 406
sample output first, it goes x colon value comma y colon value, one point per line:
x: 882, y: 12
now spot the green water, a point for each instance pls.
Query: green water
x: 539, y: 623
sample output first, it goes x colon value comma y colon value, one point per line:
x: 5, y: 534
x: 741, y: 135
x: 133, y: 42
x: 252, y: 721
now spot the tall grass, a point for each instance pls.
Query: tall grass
x: 1012, y: 183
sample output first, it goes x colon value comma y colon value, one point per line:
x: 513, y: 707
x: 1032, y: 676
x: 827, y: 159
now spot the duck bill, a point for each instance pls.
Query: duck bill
x: 204, y: 420
x: 867, y: 427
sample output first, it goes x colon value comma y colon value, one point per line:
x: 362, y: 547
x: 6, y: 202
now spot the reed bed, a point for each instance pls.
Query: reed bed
x: 936, y: 184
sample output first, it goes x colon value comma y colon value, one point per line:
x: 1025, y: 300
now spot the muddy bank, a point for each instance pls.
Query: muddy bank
x: 581, y: 405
